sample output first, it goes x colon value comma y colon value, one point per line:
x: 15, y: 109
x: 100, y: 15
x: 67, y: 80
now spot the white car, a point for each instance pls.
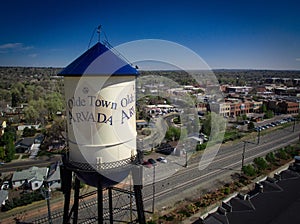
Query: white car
x: 162, y: 160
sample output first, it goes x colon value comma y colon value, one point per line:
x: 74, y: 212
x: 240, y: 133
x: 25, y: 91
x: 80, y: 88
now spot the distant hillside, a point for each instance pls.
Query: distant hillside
x: 228, y: 76
x: 11, y: 75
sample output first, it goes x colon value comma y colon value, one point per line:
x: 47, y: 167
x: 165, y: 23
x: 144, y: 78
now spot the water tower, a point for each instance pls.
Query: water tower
x: 101, y: 127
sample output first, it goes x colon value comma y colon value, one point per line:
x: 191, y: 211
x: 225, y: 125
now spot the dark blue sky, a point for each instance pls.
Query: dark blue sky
x: 226, y: 34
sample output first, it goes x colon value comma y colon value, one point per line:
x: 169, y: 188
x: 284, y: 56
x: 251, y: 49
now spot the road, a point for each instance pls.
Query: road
x: 174, y: 182
x: 227, y: 162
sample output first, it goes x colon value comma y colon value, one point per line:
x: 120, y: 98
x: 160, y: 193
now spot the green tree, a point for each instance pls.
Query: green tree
x: 29, y: 92
x: 206, y: 126
x: 10, y: 135
x: 17, y: 94
x: 173, y: 134
x: 36, y: 111
x: 39, y: 93
x: 269, y: 114
x: 214, y: 125
x: 2, y: 153
x: 5, y: 95
x: 263, y: 108
x: 260, y: 163
x: 54, y: 103
x: 31, y: 114
x: 27, y: 132
x: 9, y: 151
x: 7, y: 140
x: 16, y: 98
x: 57, y: 128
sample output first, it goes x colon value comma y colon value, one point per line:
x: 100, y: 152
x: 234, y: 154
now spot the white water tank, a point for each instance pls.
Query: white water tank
x: 100, y: 108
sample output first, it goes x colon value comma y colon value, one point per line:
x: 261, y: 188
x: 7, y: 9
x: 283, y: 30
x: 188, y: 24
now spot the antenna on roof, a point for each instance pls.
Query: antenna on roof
x: 98, y: 31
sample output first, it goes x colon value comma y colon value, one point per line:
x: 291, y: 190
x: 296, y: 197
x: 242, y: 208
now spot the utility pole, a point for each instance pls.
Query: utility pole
x: 46, y: 193
x: 294, y: 125
x: 244, y: 151
x: 186, y: 157
x: 243, y: 155
x: 258, y: 137
x: 153, y: 189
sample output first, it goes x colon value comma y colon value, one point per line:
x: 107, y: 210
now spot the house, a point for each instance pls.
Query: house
x: 33, y: 177
x: 27, y: 144
x: 22, y: 127
x: 3, y: 197
x: 24, y: 145
x: 53, y: 180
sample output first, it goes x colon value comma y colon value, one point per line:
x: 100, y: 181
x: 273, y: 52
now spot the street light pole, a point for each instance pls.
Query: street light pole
x: 258, y: 137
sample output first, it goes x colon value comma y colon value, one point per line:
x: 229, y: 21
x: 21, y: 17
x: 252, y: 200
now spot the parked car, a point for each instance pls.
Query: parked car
x: 257, y: 129
x: 152, y: 161
x: 5, y: 185
x: 147, y: 164
x: 162, y: 160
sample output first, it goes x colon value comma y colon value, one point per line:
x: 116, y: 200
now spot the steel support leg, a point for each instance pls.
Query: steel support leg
x: 76, y: 200
x: 100, y: 201
x: 110, y: 201
x: 66, y: 187
x: 137, y: 174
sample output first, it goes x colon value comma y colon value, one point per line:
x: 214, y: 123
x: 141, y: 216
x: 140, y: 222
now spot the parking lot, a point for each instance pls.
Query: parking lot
x: 263, y: 126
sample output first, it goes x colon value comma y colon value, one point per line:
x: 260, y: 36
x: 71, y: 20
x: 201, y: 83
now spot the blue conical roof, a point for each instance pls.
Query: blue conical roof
x: 98, y: 60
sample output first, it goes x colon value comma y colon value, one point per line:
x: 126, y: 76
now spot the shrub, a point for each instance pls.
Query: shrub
x: 27, y: 132
x: 270, y: 157
x: 290, y: 150
x: 23, y: 200
x: 260, y: 163
x: 200, y: 147
x: 177, y: 120
x: 249, y: 170
x: 226, y: 190
x: 251, y: 126
x: 185, y: 213
x: 281, y: 154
